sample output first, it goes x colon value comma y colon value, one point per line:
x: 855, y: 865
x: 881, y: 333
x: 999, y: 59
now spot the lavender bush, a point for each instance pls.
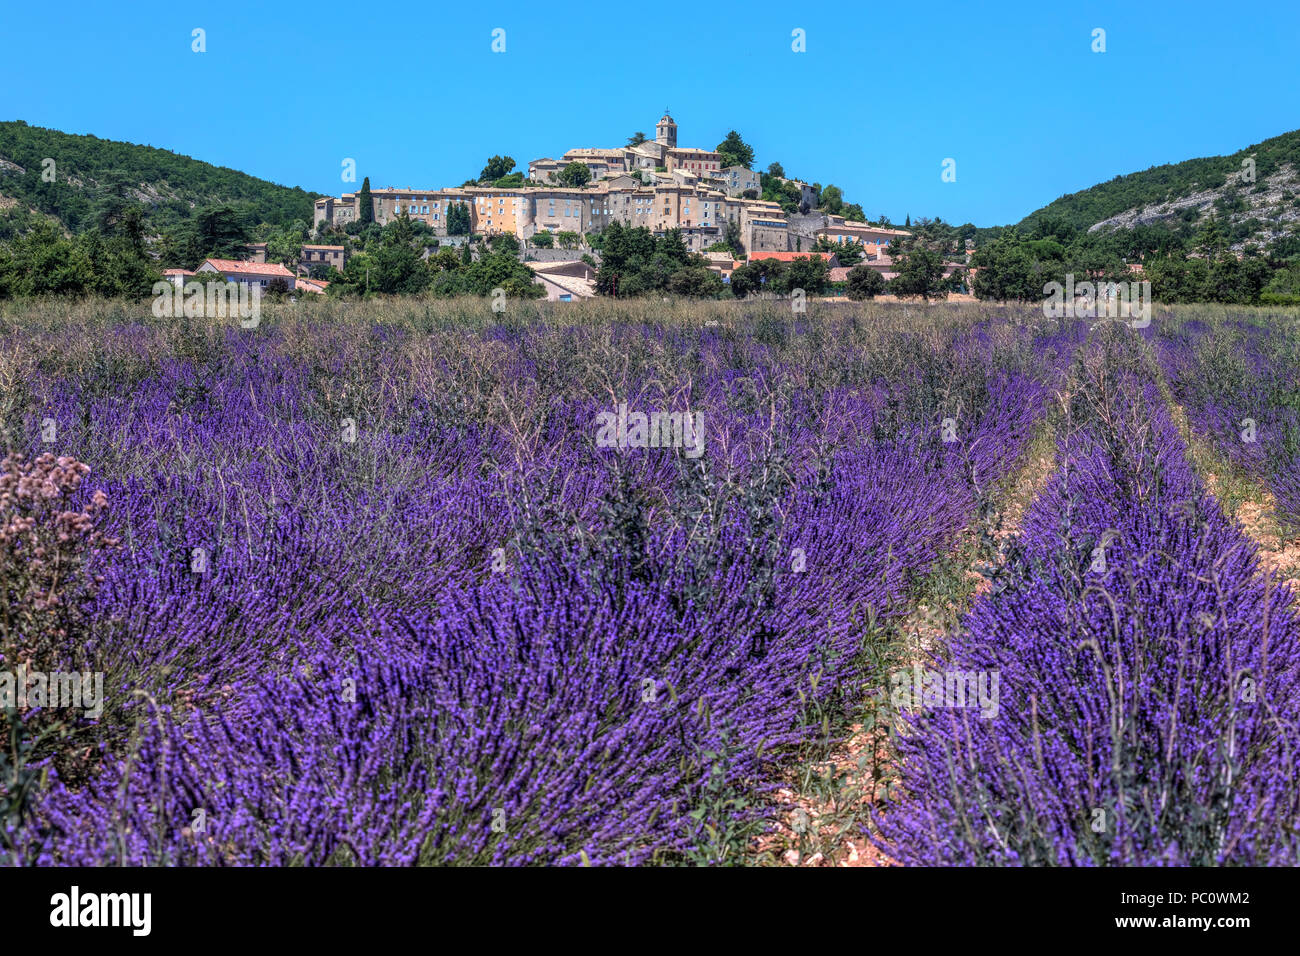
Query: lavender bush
x: 382, y: 599
x: 1149, y: 698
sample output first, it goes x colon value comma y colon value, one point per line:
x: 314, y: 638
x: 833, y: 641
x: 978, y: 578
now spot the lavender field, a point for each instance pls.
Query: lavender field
x: 407, y: 583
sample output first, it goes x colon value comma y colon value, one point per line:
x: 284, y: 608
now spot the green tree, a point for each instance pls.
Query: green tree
x: 1176, y: 279
x: 543, y: 239
x: 575, y: 175
x: 500, y: 270
x: 458, y: 219
x: 635, y: 262
x: 809, y: 273
x: 832, y: 200
x: 365, y: 203
x: 733, y: 238
x: 865, y: 282
x: 758, y: 276
x: 636, y: 139
x: 504, y: 243
x: 496, y: 167
x: 1211, y: 240
x: 697, y: 282
x: 568, y: 239
x: 285, y: 245
x: 848, y: 253
x: 221, y: 232
x: 1011, y: 269
x: 920, y: 273
x: 734, y: 151
x: 45, y: 262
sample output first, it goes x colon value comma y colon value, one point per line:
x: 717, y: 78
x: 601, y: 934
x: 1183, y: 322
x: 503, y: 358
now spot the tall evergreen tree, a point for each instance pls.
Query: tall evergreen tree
x: 735, y: 151
x: 365, y: 205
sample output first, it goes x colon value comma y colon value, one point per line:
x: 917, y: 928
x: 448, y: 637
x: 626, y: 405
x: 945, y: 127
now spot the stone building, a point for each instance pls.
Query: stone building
x: 807, y: 194
x: 737, y: 179
x: 337, y: 212
x: 702, y: 162
x: 320, y: 256
x: 839, y: 229
x: 764, y: 227
x: 666, y: 132
x: 559, y: 210
x: 249, y: 273
x: 693, y: 194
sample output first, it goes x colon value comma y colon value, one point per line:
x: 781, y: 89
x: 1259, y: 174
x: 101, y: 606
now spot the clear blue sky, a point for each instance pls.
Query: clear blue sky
x: 885, y: 92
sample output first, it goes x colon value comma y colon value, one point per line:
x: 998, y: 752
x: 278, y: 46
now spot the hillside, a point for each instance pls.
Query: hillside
x: 1178, y: 196
x: 94, y: 175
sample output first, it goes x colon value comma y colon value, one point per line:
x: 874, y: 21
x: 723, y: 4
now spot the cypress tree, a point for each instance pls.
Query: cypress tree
x: 365, y: 205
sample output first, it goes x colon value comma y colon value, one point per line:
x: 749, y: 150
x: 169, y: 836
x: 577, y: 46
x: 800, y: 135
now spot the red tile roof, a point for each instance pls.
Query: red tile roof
x: 237, y: 267
x: 787, y: 256
x: 177, y: 272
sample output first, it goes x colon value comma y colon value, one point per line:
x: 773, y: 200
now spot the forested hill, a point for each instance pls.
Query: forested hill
x: 1182, y: 192
x: 94, y: 178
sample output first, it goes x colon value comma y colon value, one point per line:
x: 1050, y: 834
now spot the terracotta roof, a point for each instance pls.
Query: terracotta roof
x: 249, y: 268
x: 788, y: 256
x: 337, y: 248
x: 177, y: 272
x: 310, y: 285
x: 840, y: 274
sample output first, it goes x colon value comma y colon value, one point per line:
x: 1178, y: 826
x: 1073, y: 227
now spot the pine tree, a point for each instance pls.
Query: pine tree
x: 1212, y: 239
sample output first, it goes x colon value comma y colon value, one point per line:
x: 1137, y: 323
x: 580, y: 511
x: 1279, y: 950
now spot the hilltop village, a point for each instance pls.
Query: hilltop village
x: 654, y: 184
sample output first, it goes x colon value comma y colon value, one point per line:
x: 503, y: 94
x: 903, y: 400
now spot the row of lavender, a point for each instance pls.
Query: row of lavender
x: 379, y: 596
x: 1149, y: 673
x: 1238, y: 381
